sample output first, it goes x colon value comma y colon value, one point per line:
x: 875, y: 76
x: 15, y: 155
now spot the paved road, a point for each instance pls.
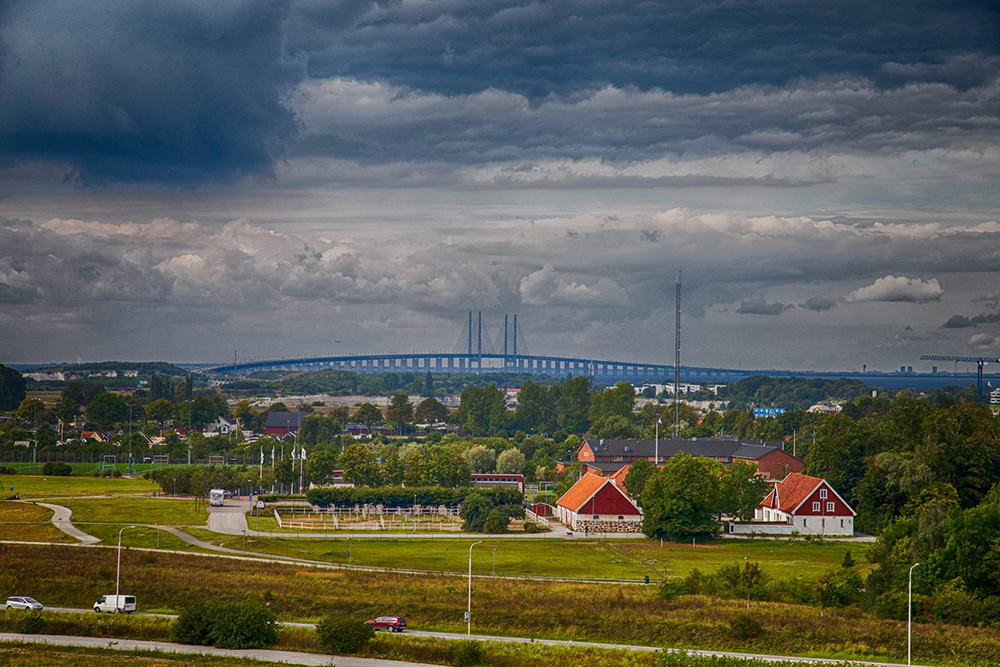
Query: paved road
x: 62, y: 519
x: 266, y: 655
x: 570, y: 643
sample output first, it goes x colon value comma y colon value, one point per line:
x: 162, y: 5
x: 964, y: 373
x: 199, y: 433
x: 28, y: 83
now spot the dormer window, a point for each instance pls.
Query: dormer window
x: 822, y: 494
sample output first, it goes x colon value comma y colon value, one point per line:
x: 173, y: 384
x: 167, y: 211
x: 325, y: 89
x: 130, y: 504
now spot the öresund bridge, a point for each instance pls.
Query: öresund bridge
x: 477, y: 352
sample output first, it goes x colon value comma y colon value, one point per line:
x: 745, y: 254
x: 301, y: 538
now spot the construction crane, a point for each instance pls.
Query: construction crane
x: 978, y: 361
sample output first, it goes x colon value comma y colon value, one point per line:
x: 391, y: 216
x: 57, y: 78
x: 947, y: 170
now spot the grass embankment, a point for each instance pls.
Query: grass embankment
x: 24, y: 521
x: 602, y: 559
x: 162, y: 511
x: 34, y: 655
x: 36, y: 487
x: 596, y: 612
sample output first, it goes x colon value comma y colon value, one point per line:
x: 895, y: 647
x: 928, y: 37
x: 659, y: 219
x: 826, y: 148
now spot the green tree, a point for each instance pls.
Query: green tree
x: 510, y: 461
x: 483, y: 410
x: 616, y: 401
x: 13, y: 388
x: 67, y: 410
x: 838, y: 454
x: 536, y: 409
x: 481, y: 458
x: 368, y: 414
x: 319, y: 429
x: 638, y: 474
x: 400, y: 410
x: 106, y: 410
x: 161, y: 410
x: 428, y: 384
x: 573, y: 405
x: 430, y: 411
x: 359, y: 465
x: 475, y: 508
x: 447, y: 467
x: 320, y: 465
x: 681, y: 499
x: 742, y: 488
x: 343, y: 635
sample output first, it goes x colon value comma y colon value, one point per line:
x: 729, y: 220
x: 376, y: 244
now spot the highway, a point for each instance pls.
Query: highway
x: 341, y: 662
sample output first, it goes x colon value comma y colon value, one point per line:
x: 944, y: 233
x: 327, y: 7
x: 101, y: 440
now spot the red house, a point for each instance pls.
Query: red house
x: 598, y: 505
x: 801, y: 504
x: 280, y: 424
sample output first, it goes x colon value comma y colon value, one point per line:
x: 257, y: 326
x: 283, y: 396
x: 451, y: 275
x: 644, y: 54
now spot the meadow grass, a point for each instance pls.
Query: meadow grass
x: 37, y: 655
x: 146, y: 537
x: 162, y: 511
x: 626, y: 614
x: 36, y: 487
x: 24, y: 521
x: 591, y: 558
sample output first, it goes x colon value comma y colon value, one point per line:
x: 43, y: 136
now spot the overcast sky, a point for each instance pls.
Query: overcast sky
x: 182, y: 179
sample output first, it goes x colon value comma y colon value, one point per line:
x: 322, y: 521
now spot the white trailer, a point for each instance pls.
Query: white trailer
x: 216, y: 497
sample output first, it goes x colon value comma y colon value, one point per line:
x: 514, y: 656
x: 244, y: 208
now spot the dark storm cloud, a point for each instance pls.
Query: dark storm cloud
x: 758, y: 306
x: 962, y: 322
x: 819, y: 303
x: 538, y: 48
x: 376, y: 123
x: 179, y: 92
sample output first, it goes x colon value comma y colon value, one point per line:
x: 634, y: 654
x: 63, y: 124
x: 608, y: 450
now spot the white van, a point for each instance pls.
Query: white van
x: 216, y: 497
x: 114, y: 604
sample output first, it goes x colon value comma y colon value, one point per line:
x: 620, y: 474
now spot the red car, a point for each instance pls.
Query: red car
x: 388, y: 623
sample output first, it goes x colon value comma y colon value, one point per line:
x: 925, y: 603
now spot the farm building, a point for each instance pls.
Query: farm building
x: 773, y: 462
x: 800, y: 504
x: 598, y: 505
x: 280, y: 424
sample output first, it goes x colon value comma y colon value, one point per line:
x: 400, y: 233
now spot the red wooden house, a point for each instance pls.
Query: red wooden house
x: 598, y: 505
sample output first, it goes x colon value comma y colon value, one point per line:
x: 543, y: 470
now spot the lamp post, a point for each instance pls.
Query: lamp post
x: 745, y: 564
x: 494, y: 561
x: 244, y: 542
x: 468, y: 611
x: 118, y: 576
x: 909, y: 616
x: 350, y: 553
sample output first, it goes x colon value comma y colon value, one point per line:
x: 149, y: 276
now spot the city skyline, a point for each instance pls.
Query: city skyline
x: 273, y: 176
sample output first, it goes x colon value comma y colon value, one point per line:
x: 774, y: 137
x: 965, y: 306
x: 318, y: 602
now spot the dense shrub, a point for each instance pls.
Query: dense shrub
x: 671, y: 588
x: 404, y: 496
x: 343, y: 635
x: 495, y: 522
x: 7, y: 470
x: 57, y: 468
x: 530, y: 527
x: 238, y: 625
x: 32, y: 624
x: 467, y: 653
x: 745, y: 627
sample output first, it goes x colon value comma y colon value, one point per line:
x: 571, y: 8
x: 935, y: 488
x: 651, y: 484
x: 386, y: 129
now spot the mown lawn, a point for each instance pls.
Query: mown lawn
x: 36, y: 487
x: 632, y: 614
x: 24, y: 521
x: 134, y: 509
x: 601, y: 559
x: 140, y: 536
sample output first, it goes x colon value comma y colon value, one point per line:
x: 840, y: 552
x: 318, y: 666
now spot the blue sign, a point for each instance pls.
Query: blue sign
x: 768, y: 413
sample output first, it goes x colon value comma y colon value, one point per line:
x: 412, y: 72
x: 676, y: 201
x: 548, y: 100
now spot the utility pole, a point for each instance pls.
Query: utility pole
x: 677, y: 358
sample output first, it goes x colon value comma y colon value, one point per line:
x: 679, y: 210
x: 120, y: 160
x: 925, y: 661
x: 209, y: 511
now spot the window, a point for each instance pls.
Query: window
x: 822, y: 494
x: 620, y: 517
x: 829, y: 507
x: 596, y: 517
x: 815, y: 507
x: 841, y: 523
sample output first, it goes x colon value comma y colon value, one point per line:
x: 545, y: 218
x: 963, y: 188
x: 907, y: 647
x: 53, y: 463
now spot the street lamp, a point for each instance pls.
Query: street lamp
x: 244, y: 542
x: 118, y: 577
x: 468, y: 611
x: 494, y: 561
x: 350, y: 553
x: 909, y: 616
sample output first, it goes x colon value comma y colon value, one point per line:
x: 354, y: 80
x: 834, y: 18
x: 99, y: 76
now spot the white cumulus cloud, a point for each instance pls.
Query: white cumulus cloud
x: 891, y: 288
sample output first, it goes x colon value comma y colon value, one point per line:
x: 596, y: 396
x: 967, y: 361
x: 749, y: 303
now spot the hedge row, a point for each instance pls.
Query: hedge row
x: 406, y: 496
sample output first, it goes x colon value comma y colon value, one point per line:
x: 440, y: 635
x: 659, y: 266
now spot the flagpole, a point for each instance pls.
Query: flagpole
x: 656, y: 454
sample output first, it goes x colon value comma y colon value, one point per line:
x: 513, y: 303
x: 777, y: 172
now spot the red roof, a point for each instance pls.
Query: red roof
x: 792, y: 491
x: 582, y: 491
x: 619, y: 476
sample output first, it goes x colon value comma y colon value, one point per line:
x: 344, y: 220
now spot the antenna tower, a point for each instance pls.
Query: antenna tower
x: 677, y: 359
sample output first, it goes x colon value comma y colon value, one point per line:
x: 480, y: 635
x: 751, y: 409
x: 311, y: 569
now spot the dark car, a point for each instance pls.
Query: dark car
x: 388, y: 623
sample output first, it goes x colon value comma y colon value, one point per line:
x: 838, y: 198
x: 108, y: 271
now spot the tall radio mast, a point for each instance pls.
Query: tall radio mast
x: 677, y: 360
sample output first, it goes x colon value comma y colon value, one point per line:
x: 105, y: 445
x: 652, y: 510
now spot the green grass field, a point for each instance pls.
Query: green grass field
x: 40, y: 486
x: 601, y: 559
x: 68, y: 576
x: 162, y: 511
x: 140, y: 536
x: 24, y: 521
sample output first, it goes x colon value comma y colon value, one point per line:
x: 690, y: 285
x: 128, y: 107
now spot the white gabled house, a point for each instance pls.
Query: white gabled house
x: 800, y: 504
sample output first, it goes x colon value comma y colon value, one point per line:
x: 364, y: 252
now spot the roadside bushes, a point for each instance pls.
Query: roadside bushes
x: 405, y: 496
x: 343, y: 635
x: 482, y: 514
x: 57, y: 468
x: 7, y: 470
x: 240, y: 624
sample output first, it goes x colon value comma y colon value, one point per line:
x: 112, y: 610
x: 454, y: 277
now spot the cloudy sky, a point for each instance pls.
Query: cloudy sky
x: 182, y: 179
